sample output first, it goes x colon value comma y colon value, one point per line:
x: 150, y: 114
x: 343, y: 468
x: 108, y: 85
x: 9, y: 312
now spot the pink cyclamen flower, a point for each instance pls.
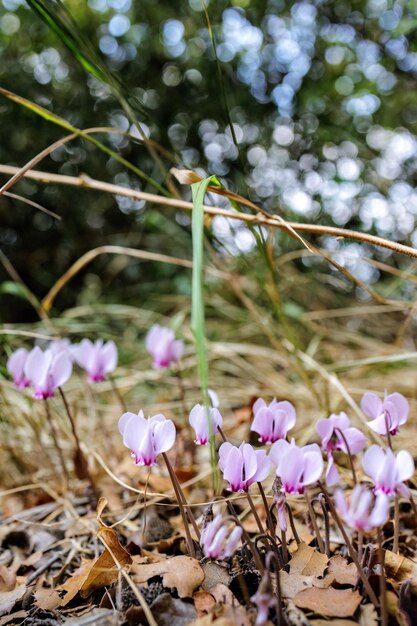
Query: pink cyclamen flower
x: 273, y: 421
x: 330, y: 431
x: 388, y: 471
x: 296, y: 467
x: 146, y: 438
x: 160, y: 342
x: 217, y: 542
x: 205, y: 421
x: 392, y: 411
x: 365, y: 510
x: 46, y: 371
x: 61, y: 345
x: 98, y: 359
x: 15, y: 367
x: 243, y: 466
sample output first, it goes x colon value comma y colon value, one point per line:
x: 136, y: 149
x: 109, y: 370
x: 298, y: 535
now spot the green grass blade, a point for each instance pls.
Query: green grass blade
x: 59, y: 121
x: 197, y: 310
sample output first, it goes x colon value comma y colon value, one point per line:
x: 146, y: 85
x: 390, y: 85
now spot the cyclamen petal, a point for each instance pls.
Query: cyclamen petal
x: 217, y: 542
x: 15, y: 367
x: 273, y: 421
x: 391, y: 413
x: 47, y: 372
x: 205, y: 421
x: 296, y: 467
x: 160, y: 342
x: 98, y: 359
x: 387, y: 470
x: 146, y: 438
x: 243, y: 466
x: 364, y: 512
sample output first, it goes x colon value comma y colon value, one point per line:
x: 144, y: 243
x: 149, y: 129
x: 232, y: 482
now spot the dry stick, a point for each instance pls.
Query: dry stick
x: 292, y: 524
x: 248, y: 540
x: 118, y: 395
x: 352, y: 467
x: 280, y: 614
x: 55, y: 438
x: 190, y: 544
x: 255, y: 513
x: 349, y: 546
x: 270, y: 523
x: 80, y: 453
x: 314, y: 522
x: 322, y: 502
x: 382, y: 583
x: 85, y: 181
x: 395, y: 546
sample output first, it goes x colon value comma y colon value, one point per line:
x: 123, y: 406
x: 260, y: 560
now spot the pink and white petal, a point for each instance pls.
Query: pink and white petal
x: 159, y: 417
x: 177, y: 349
x: 340, y: 501
x: 379, y: 425
x: 277, y: 451
x: 324, y: 428
x: 291, y: 467
x: 372, y: 461
x: 134, y: 431
x: 380, y: 512
x: 224, y: 452
x: 403, y: 490
x: 404, y: 465
x: 195, y: 416
x: 264, y: 466
x: 61, y: 369
x: 371, y: 405
x: 217, y: 419
x: 233, y: 469
x: 356, y: 440
x: 232, y: 541
x: 164, y: 436
x: 37, y: 365
x: 123, y: 420
x: 332, y: 474
x: 313, y: 467
x: 262, y: 422
x: 401, y: 405
x: 152, y: 337
x: 289, y: 410
x: 249, y: 460
x: 82, y: 352
x: 109, y: 357
x: 340, y: 420
x: 258, y: 404
x: 16, y: 363
x: 215, y: 549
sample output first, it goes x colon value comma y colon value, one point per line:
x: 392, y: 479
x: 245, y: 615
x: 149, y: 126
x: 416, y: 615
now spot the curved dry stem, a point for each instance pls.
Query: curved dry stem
x: 259, y: 218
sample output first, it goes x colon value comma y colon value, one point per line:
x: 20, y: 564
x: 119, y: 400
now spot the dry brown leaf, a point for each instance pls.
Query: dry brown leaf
x: 232, y: 610
x: 181, y: 572
x: 7, y: 579
x: 308, y: 561
x: 399, y: 568
x: 9, y: 598
x: 105, y: 569
x: 332, y: 622
x: 214, y: 573
x: 343, y: 572
x: 292, y: 584
x: 203, y: 602
x: 329, y: 602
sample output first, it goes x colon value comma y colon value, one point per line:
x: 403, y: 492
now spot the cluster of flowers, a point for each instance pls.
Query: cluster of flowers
x: 295, y: 467
x: 48, y: 369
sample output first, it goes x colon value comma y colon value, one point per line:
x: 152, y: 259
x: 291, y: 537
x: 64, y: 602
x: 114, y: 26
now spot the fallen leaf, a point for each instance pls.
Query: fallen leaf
x: 331, y: 622
x: 181, y: 572
x: 329, y: 602
x: 308, y: 561
x: 7, y: 578
x: 399, y: 568
x: 105, y: 569
x: 203, y: 602
x: 9, y: 598
x: 292, y: 584
x: 343, y: 572
x: 232, y: 610
x: 214, y: 573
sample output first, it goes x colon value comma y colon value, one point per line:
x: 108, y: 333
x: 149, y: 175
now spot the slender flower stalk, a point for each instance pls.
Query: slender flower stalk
x: 55, y: 440
x: 352, y: 553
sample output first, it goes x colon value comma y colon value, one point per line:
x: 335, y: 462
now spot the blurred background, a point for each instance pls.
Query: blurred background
x: 322, y: 98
